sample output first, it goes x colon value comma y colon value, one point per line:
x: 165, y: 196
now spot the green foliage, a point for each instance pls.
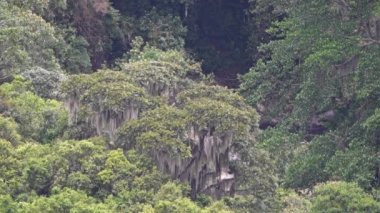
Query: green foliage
x: 171, y: 198
x: 27, y: 41
x: 282, y: 146
x: 275, y: 82
x: 7, y: 204
x: 81, y: 176
x: 254, y: 194
x: 216, y: 93
x: 40, y: 7
x: 218, y: 207
x: 219, y: 108
x: 76, y: 164
x: 162, y: 129
x: 170, y: 192
x: 221, y: 116
x: 10, y: 179
x: 357, y: 163
x: 309, y: 166
x: 118, y: 171
x: 66, y: 200
x: 74, y: 55
x: 46, y: 84
x: 160, y: 72
x: 162, y: 31
x: 104, y: 100
x: 105, y: 90
x: 342, y: 197
x: 291, y: 202
x: 317, y: 82
x: 178, y: 205
x: 158, y: 23
x: 37, y: 118
x: 8, y: 130
x: 372, y: 123
x: 141, y: 52
x: 322, y: 63
x: 326, y: 65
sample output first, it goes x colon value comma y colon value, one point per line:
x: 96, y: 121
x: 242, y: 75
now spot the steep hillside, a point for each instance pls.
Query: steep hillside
x: 189, y: 106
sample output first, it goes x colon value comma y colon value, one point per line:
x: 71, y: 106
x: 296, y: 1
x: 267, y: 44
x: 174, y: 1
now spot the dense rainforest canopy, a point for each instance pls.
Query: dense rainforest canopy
x: 190, y: 106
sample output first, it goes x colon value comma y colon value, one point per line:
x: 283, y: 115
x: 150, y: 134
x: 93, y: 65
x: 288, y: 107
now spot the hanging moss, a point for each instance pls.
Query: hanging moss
x: 110, y: 96
x: 219, y: 119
